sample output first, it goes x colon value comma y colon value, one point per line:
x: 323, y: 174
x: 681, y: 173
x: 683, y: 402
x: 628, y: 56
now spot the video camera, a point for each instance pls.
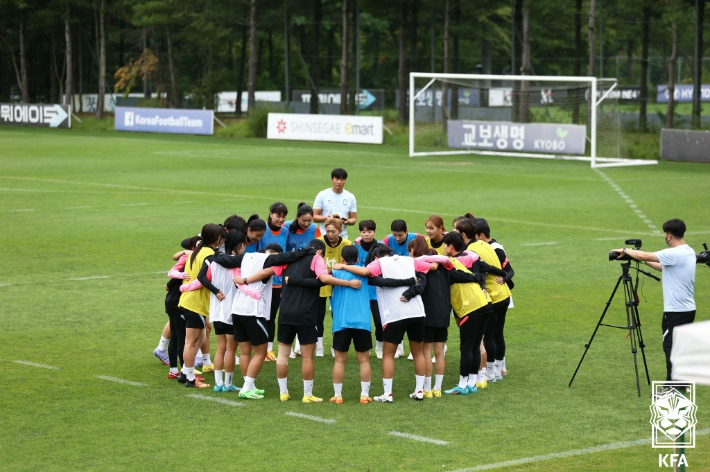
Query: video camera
x: 703, y: 257
x: 636, y: 243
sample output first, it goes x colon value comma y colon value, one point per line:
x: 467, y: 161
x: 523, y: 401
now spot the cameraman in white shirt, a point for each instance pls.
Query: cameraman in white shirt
x: 677, y: 265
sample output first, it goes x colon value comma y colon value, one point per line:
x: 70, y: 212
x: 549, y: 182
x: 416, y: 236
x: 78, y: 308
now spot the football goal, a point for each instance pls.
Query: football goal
x: 572, y: 118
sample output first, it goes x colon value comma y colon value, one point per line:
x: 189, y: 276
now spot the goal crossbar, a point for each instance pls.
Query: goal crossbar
x: 596, y: 161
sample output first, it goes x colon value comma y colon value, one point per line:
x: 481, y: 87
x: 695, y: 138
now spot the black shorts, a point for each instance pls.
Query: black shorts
x: 250, y: 329
x: 222, y: 328
x: 361, y: 338
x: 435, y: 335
x: 193, y: 320
x: 306, y: 334
x: 394, y: 332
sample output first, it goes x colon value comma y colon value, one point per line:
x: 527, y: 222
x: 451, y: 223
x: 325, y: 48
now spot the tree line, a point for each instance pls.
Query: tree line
x: 170, y: 50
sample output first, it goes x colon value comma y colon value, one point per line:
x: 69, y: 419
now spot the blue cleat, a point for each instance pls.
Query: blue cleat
x: 457, y: 391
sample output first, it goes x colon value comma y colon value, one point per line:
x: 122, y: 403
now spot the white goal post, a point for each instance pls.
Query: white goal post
x: 445, y: 93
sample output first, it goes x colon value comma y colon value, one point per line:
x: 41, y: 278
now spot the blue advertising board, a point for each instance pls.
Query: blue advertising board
x: 683, y: 93
x: 164, y: 120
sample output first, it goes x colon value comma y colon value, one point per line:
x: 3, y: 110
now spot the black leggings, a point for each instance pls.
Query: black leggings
x: 489, y: 340
x: 275, y: 304
x: 669, y: 322
x: 322, y: 308
x: 471, y: 332
x: 177, y: 339
x: 502, y: 309
x: 375, y: 309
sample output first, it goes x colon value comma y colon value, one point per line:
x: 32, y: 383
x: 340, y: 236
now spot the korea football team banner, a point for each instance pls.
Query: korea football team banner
x: 39, y: 115
x: 337, y: 128
x: 526, y: 137
x: 164, y: 120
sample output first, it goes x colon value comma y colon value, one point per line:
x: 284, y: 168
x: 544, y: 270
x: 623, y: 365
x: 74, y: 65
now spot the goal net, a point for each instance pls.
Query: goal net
x: 574, y: 118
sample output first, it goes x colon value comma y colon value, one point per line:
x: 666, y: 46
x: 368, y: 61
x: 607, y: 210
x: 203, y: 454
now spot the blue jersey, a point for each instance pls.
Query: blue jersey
x: 271, y: 237
x: 400, y: 249
x: 251, y: 247
x: 351, y: 307
x: 299, y: 239
x: 362, y: 255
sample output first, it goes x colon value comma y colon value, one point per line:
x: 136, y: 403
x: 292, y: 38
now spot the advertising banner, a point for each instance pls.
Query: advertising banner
x: 40, y: 115
x: 525, y: 137
x: 336, y: 128
x: 683, y: 93
x: 367, y: 99
x: 164, y: 120
x: 227, y: 101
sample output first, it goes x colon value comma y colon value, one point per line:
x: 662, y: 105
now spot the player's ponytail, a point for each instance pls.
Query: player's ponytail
x: 210, y: 235
x: 303, y: 209
x: 254, y: 223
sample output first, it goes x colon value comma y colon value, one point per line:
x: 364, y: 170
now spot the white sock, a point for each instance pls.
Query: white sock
x: 319, y: 343
x: 270, y: 347
x: 427, y: 384
x: 419, y: 383
x: 387, y: 384
x: 502, y: 364
x: 338, y: 389
x: 173, y: 370
x: 479, y: 378
x: 163, y: 344
x: 401, y: 346
x: 483, y: 371
x: 472, y: 380
x: 496, y: 366
x: 283, y: 385
x: 463, y: 381
x: 228, y: 378
x: 490, y: 370
x: 190, y: 372
x: 199, y: 353
x: 218, y: 378
x: 364, y: 389
x: 206, y: 359
x: 248, y: 384
x: 439, y: 381
x: 378, y: 345
x: 307, y: 388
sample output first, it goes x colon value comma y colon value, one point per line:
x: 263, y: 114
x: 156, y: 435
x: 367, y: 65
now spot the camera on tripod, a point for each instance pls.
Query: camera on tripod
x: 636, y: 243
x: 703, y: 257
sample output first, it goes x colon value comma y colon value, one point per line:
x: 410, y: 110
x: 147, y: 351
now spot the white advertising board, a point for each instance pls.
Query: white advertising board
x: 337, y: 128
x: 227, y: 101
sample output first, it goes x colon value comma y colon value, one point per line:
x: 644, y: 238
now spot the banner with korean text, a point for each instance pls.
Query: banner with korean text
x: 40, y: 115
x: 527, y: 137
x: 337, y: 128
x: 164, y: 120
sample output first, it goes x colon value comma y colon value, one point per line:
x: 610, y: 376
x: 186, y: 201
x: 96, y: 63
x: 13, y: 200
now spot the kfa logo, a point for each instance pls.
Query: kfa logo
x: 673, y: 419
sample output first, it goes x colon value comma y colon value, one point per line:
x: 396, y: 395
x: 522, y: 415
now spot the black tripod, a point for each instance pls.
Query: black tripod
x: 633, y: 322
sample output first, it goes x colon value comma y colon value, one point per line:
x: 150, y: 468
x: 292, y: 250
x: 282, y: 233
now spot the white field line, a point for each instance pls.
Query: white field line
x: 414, y: 437
x: 160, y: 272
x: 121, y: 381
x: 559, y: 455
x: 631, y: 203
x: 610, y: 239
x: 91, y: 278
x: 133, y: 204
x: 540, y: 244
x: 272, y: 198
x: 76, y: 208
x: 5, y: 285
x: 309, y: 417
x: 26, y: 209
x: 178, y: 203
x: 216, y: 400
x: 33, y: 364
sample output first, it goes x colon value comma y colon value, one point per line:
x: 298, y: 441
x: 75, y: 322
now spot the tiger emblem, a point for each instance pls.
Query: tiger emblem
x: 673, y: 414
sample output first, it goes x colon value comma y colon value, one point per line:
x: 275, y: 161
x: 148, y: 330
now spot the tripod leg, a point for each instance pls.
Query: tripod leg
x: 601, y: 318
x: 641, y: 343
x: 631, y: 323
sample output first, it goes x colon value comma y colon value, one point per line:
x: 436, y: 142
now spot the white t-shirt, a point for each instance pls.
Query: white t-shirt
x: 678, y: 278
x: 332, y: 203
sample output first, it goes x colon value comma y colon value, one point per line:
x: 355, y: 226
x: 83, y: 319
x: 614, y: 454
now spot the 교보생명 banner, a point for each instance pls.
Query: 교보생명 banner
x: 40, y: 115
x: 164, y: 120
x: 527, y: 137
x: 337, y: 128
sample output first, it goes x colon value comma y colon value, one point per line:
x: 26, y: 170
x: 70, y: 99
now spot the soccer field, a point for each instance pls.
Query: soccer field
x: 89, y: 222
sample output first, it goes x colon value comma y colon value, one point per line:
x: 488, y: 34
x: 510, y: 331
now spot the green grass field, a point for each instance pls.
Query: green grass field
x: 112, y: 208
